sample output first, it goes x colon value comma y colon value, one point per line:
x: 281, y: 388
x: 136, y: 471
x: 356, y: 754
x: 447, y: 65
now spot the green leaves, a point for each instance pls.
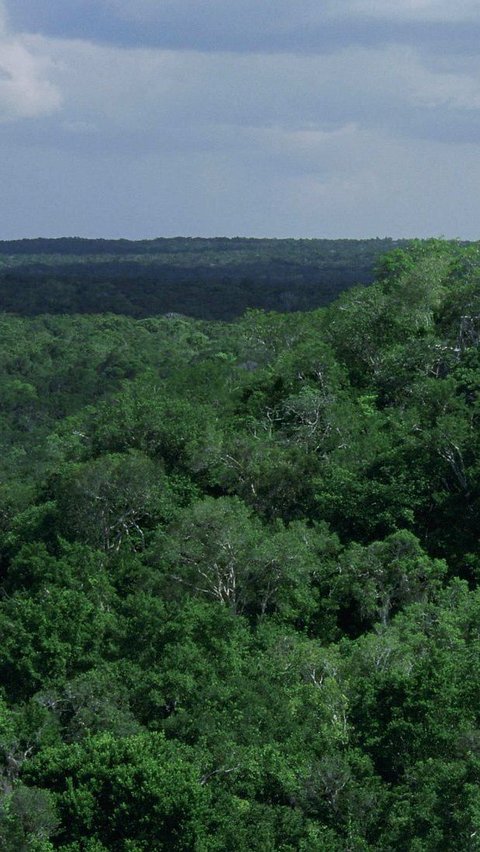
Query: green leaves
x: 138, y: 789
x: 217, y: 549
x: 387, y: 575
x: 231, y: 612
x: 113, y: 501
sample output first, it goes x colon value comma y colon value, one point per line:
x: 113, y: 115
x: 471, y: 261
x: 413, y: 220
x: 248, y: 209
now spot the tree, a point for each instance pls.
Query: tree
x: 139, y: 790
x: 386, y: 575
x: 219, y: 550
x: 114, y: 500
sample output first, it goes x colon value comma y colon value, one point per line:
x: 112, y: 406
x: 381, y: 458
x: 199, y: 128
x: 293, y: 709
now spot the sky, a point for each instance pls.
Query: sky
x: 319, y: 118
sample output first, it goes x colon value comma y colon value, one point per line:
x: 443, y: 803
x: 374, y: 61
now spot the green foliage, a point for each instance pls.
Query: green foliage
x: 27, y: 819
x: 239, y: 597
x: 385, y: 575
x: 218, y: 550
x: 112, y: 501
x: 138, y: 789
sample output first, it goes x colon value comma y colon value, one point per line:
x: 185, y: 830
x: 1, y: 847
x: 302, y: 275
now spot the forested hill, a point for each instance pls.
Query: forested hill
x: 204, y: 278
x: 240, y: 574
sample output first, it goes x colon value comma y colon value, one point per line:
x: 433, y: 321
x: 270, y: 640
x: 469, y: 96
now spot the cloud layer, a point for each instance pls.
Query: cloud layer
x: 250, y: 25
x: 25, y: 88
x: 364, y: 130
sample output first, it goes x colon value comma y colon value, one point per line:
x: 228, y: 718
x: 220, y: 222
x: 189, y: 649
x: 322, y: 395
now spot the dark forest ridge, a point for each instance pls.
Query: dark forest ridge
x: 216, y: 278
x: 161, y: 245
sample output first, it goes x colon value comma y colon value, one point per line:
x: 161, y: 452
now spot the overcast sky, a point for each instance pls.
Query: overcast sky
x: 314, y: 118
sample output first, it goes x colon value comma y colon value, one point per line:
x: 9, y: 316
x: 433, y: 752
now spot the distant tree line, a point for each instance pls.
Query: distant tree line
x: 204, y: 278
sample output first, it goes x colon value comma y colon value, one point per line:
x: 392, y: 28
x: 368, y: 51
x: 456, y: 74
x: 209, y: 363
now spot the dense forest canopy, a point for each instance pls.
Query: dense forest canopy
x: 204, y: 278
x: 239, y: 573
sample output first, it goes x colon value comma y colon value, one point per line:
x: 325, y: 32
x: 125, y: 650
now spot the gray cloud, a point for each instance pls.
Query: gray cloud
x: 408, y: 10
x: 339, y: 125
x: 252, y: 26
x: 25, y: 88
x: 362, y: 184
x: 181, y: 97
